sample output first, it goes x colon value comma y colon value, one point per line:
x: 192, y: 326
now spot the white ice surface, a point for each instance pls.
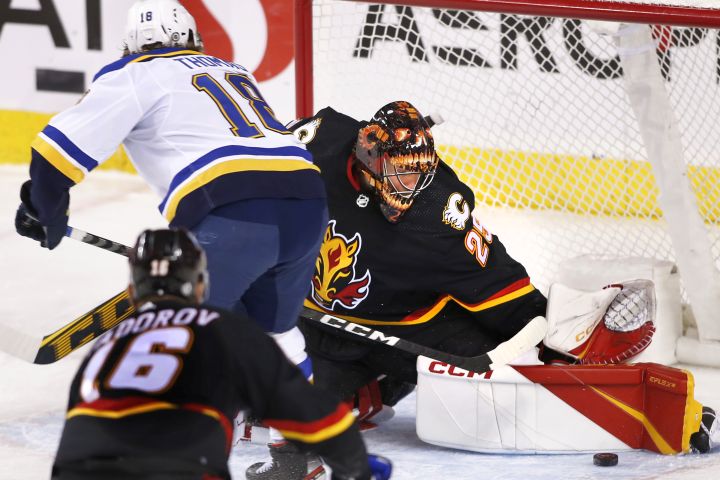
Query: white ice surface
x: 42, y: 290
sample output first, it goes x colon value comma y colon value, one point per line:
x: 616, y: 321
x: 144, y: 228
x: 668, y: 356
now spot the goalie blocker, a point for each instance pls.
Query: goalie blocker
x: 599, y: 404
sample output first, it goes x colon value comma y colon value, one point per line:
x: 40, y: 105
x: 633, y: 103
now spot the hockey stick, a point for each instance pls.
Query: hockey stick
x: 524, y: 340
x: 60, y: 343
x: 528, y: 337
x: 104, y: 243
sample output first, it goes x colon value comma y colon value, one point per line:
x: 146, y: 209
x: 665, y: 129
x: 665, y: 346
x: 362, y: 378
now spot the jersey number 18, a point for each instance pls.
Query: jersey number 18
x: 241, y: 126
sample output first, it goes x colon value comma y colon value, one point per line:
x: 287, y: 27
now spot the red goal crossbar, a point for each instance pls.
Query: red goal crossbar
x: 609, y: 10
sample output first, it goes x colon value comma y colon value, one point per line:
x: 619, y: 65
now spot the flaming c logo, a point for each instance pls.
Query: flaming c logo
x: 334, y: 282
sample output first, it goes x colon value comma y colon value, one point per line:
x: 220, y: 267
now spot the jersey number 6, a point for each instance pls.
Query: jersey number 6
x: 149, y: 363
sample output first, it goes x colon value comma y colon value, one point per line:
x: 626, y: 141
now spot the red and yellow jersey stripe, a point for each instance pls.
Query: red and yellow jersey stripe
x: 115, y: 409
x: 318, y: 430
x: 507, y: 294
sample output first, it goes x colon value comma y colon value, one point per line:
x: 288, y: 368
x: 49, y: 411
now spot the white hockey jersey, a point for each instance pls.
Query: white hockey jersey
x: 195, y: 127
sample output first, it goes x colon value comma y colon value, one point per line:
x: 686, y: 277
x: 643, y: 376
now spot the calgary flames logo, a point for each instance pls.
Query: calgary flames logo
x: 456, y: 212
x: 334, y: 280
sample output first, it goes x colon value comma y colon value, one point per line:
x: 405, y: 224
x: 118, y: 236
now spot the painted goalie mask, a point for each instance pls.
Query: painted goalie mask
x: 396, y: 155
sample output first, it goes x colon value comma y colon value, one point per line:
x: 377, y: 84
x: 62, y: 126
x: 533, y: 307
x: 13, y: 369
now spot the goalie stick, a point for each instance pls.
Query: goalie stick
x: 524, y: 340
x: 105, y: 316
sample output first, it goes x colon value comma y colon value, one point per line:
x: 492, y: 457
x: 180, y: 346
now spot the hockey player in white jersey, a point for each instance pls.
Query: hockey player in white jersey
x: 200, y: 133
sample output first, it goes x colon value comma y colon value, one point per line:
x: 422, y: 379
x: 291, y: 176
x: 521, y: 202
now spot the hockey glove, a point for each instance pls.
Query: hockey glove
x: 27, y: 222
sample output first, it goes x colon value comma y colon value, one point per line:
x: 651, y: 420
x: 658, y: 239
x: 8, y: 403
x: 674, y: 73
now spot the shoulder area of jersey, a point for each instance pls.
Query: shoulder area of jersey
x: 305, y: 129
x: 447, y: 200
x: 181, y: 57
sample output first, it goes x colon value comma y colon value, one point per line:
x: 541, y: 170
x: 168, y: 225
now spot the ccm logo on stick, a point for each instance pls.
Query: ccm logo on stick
x: 359, y: 330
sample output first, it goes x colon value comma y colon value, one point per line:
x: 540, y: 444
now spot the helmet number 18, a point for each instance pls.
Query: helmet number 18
x: 159, y: 267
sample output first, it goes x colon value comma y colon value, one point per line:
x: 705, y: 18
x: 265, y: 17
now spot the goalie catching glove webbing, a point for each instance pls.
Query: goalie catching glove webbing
x: 606, y: 326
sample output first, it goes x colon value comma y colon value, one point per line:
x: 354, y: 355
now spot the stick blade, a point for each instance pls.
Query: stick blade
x: 84, y: 329
x: 479, y: 364
x: 19, y: 344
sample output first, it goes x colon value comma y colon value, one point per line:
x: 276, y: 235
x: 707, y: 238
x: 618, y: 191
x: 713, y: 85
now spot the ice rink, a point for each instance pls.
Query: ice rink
x: 42, y: 290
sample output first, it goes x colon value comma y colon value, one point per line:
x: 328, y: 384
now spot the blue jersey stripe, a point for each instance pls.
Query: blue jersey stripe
x: 229, y: 151
x: 143, y: 57
x: 70, y: 148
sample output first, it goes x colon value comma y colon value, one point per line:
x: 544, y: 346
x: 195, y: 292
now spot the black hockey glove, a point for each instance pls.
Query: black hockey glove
x: 27, y: 223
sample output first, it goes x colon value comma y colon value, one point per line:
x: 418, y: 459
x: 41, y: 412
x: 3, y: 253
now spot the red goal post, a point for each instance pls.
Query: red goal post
x: 552, y: 118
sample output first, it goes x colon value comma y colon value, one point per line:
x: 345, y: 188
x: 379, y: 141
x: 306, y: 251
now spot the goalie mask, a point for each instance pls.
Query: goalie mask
x: 167, y: 262
x: 160, y: 23
x: 396, y: 156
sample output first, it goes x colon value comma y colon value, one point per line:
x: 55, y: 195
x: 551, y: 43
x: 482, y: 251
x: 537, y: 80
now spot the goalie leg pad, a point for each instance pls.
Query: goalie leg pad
x: 557, y: 409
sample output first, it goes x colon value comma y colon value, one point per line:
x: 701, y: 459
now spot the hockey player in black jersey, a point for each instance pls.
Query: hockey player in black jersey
x: 403, y: 251
x: 406, y: 253
x: 156, y: 396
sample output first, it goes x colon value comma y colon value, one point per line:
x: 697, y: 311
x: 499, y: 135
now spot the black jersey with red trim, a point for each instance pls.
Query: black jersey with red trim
x: 438, y: 261
x: 168, y: 382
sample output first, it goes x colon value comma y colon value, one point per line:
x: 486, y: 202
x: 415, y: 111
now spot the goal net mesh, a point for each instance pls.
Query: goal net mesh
x: 537, y: 120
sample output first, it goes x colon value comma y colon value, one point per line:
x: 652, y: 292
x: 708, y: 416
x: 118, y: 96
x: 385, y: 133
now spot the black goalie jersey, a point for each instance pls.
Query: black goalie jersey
x: 438, y: 262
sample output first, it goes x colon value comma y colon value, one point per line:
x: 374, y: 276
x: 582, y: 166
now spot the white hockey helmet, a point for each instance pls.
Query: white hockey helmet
x: 163, y: 22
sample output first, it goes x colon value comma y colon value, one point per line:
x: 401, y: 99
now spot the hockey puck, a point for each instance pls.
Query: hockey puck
x: 605, y: 459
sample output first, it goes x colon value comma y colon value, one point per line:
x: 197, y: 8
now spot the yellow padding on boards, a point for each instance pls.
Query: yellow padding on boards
x: 18, y: 129
x: 541, y: 181
x: 573, y: 183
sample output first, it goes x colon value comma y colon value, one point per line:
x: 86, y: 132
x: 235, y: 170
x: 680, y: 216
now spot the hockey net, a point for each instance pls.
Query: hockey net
x: 547, y: 118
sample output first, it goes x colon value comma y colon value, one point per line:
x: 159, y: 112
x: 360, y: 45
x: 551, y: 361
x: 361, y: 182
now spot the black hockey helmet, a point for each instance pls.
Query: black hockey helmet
x: 395, y: 153
x: 166, y: 262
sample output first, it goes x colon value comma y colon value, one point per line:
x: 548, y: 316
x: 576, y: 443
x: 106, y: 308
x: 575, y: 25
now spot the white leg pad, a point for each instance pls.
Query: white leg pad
x: 557, y: 409
x: 500, y: 412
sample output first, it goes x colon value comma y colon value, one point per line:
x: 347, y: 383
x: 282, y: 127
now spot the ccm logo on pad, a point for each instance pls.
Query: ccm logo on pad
x: 442, y: 368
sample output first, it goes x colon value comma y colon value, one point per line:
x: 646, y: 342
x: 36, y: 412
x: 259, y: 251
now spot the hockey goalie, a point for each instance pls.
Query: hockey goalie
x: 406, y: 254
x: 600, y: 402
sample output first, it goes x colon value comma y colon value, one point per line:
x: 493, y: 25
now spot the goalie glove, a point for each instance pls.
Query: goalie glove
x: 611, y: 325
